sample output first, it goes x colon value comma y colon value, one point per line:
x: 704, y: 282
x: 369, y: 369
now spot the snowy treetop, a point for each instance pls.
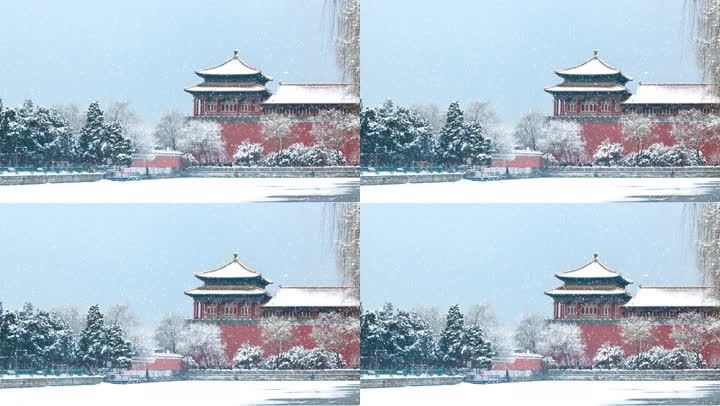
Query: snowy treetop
x: 233, y: 66
x: 232, y: 270
x: 592, y: 67
x: 592, y: 270
x: 313, y: 296
x: 673, y: 296
x: 673, y: 93
x: 313, y: 93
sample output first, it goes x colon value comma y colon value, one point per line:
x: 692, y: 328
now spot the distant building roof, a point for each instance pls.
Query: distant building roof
x: 313, y: 93
x: 232, y: 67
x: 584, y: 292
x: 232, y: 270
x: 592, y: 67
x: 592, y: 270
x: 230, y: 88
x: 673, y: 296
x: 313, y: 296
x: 674, y: 93
x: 235, y: 291
x: 574, y: 87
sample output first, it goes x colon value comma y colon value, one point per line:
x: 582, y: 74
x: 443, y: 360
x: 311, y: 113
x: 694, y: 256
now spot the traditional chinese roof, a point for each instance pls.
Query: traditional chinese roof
x: 232, y: 67
x: 673, y: 296
x: 313, y: 93
x: 216, y: 291
x: 575, y: 87
x: 233, y: 271
x: 593, y: 271
x: 592, y: 67
x: 577, y: 291
x: 225, y: 88
x: 313, y: 296
x: 674, y: 93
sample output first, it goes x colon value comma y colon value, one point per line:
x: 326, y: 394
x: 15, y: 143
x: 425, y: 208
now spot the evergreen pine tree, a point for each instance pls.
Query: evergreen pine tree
x: 92, y: 351
x: 90, y: 142
x: 477, y: 350
x: 450, y: 345
x: 119, y: 149
x: 452, y: 135
x: 119, y: 349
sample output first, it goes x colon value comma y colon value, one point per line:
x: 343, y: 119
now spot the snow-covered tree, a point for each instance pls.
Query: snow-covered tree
x: 528, y: 333
x: 334, y: 129
x: 168, y: 332
x: 395, y: 339
x: 476, y: 350
x: 695, y: 331
x: 119, y: 351
x: 167, y: 130
x: 92, y: 346
x: 73, y: 115
x: 203, y: 140
x: 563, y: 342
x: 248, y: 154
x: 203, y: 342
x: 301, y: 155
x: 608, y: 154
x: 609, y: 357
x: 637, y: 130
x: 461, y: 142
x: 101, y: 142
x: 300, y: 358
x: 636, y: 331
x: 70, y: 314
x: 451, y: 339
x: 121, y: 315
x: 528, y: 131
x: 276, y: 333
x: 277, y: 129
x: 563, y: 140
x: 142, y: 138
x: 432, y: 316
x: 694, y: 129
x: 248, y: 357
x: 335, y: 331
x: 432, y: 114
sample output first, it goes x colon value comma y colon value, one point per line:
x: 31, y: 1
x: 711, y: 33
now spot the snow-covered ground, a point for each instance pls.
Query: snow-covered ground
x: 188, y: 393
x: 548, y: 190
x: 186, y: 190
x: 555, y: 393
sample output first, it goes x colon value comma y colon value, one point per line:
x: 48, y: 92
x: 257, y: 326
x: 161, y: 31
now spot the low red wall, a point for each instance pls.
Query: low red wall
x: 235, y: 335
x: 595, y: 335
x: 157, y: 363
x: 528, y: 362
x: 159, y: 161
x: 235, y: 133
x: 519, y: 161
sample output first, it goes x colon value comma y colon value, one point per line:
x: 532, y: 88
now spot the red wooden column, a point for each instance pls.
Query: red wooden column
x: 555, y: 310
x: 217, y: 108
x: 195, y: 310
x: 555, y: 107
x: 577, y: 310
x: 237, y: 107
x: 195, y: 106
x: 202, y: 107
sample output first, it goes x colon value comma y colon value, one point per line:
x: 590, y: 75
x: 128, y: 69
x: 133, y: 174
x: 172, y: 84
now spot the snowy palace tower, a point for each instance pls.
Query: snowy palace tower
x: 232, y: 88
x: 592, y: 90
x: 232, y: 291
x: 592, y: 291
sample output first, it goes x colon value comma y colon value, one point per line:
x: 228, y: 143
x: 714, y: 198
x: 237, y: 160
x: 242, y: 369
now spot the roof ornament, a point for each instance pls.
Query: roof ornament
x: 235, y: 53
x: 595, y: 52
x: 595, y: 256
x: 235, y: 255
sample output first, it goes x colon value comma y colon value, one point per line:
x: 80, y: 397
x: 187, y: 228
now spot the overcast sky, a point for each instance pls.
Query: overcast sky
x: 146, y: 255
x: 505, y: 51
x: 145, y: 52
x: 507, y: 255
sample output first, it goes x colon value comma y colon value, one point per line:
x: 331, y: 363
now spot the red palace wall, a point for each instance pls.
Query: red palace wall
x: 595, y: 133
x: 157, y: 364
x: 234, y: 335
x: 518, y: 363
x: 235, y: 133
x: 595, y: 335
x: 519, y: 161
x: 159, y: 161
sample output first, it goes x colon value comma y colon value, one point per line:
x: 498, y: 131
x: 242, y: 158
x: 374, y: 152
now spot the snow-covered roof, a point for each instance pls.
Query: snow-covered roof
x: 593, y: 88
x: 226, y: 292
x: 673, y: 296
x: 232, y: 270
x: 313, y: 93
x: 674, y: 93
x: 592, y: 270
x: 313, y: 296
x: 232, y: 67
x: 592, y: 67
x: 225, y: 89
x: 583, y: 292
